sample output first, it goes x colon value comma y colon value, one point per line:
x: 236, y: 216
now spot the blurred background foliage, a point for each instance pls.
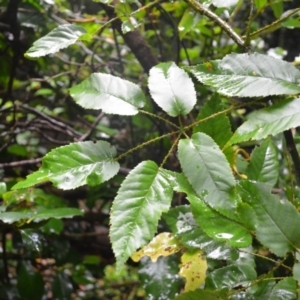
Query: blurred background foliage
x: 59, y: 258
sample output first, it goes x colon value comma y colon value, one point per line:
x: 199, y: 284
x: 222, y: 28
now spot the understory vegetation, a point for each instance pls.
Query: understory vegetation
x: 149, y: 149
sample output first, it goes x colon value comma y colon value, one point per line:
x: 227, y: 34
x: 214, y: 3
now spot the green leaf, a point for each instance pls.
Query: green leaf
x: 183, y: 225
x: 56, y: 213
x: 275, y: 218
x: 230, y: 276
x: 269, y: 121
x: 166, y: 82
x: 260, y: 3
x: 30, y: 283
x: 219, y: 227
x: 207, y: 170
x: 188, y: 21
x: 160, y: 279
x: 13, y: 217
x: 264, y: 165
x: 74, y: 165
x: 296, y: 271
x: 277, y: 7
x: 110, y: 93
x: 249, y: 75
x: 62, y: 287
x: 2, y: 188
x: 143, y: 196
x: 59, y: 38
x: 199, y: 294
x: 218, y: 128
x: 53, y: 226
x: 285, y: 289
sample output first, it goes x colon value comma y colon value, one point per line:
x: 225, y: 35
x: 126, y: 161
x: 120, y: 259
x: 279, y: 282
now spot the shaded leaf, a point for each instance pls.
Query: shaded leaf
x: 218, y: 128
x: 208, y: 171
x: 249, y: 75
x: 2, y: 188
x: 166, y: 82
x: 296, y: 271
x: 193, y: 269
x: 164, y: 244
x: 56, y: 213
x: 110, y: 93
x: 30, y: 282
x: 77, y: 164
x: 199, y: 294
x: 264, y: 165
x: 62, y: 287
x: 269, y: 121
x: 275, y: 218
x: 230, y: 276
x: 285, y: 289
x: 188, y: 21
x: 59, y: 38
x: 160, y: 279
x: 182, y: 223
x: 12, y: 217
x: 143, y: 196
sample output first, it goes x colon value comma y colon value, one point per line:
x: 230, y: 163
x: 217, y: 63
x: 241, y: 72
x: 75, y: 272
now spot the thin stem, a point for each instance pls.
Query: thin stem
x: 146, y: 144
x: 206, y: 12
x: 170, y: 151
x: 160, y: 118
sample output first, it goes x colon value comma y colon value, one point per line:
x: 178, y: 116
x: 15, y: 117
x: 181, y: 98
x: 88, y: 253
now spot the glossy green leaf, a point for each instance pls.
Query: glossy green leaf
x: 59, y: 38
x: 207, y: 170
x: 37, y: 177
x: 199, y: 294
x: 12, y: 217
x: 188, y: 21
x: 110, y: 93
x: 275, y: 218
x: 183, y: 225
x: 160, y: 279
x: 218, y: 226
x: 285, y: 289
x: 30, y: 283
x: 77, y: 164
x: 269, y: 121
x: 143, y: 196
x: 264, y: 165
x: 166, y: 82
x: 56, y: 213
x: 230, y: 276
x: 249, y: 75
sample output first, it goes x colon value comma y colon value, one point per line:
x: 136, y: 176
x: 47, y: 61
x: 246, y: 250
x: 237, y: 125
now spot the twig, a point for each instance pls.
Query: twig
x: 206, y: 12
x: 21, y: 163
x: 291, y: 146
x: 89, y: 132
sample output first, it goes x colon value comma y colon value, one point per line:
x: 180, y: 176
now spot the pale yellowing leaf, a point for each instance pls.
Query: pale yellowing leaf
x: 193, y: 269
x: 164, y: 244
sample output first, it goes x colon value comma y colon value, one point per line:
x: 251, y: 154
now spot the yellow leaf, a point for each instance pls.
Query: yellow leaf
x: 193, y: 268
x: 164, y: 244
